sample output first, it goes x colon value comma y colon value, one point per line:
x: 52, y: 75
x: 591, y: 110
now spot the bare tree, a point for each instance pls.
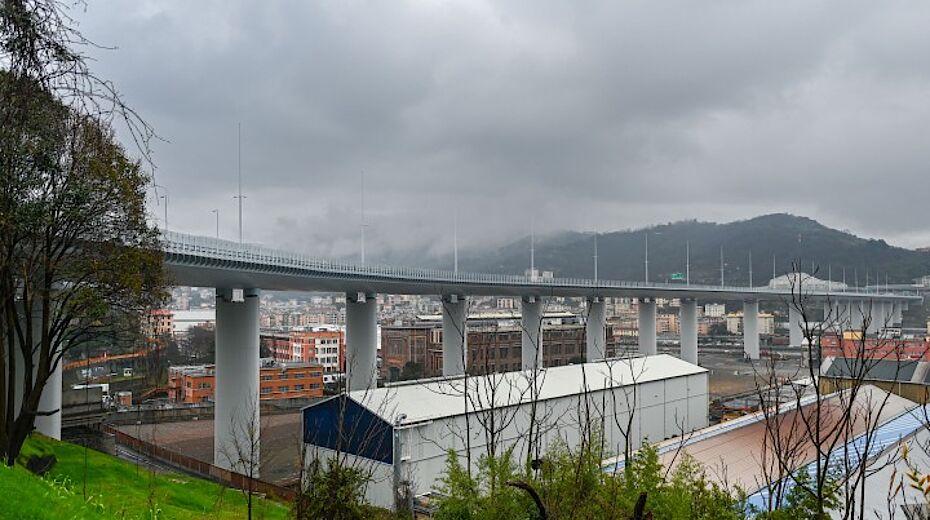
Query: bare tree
x: 815, y: 423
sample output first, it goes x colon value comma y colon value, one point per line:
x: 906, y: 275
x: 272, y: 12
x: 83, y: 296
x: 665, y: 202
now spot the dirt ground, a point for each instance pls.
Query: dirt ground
x: 280, y: 442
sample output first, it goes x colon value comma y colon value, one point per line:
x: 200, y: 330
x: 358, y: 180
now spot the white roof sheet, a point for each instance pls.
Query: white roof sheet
x: 436, y: 398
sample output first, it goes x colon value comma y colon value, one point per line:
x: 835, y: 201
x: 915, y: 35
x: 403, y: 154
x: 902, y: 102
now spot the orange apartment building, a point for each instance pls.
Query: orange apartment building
x: 324, y: 346
x: 277, y: 380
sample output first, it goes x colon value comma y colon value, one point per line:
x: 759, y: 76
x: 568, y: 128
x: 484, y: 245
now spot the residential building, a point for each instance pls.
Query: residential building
x: 766, y: 323
x: 715, y: 310
x: 159, y: 323
x: 667, y: 324
x: 277, y: 380
x: 323, y: 345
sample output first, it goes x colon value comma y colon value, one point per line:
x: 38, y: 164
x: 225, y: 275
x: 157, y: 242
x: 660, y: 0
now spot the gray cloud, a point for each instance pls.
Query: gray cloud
x: 555, y: 115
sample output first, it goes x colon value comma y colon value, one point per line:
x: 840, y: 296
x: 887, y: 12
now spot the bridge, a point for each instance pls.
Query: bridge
x: 240, y: 271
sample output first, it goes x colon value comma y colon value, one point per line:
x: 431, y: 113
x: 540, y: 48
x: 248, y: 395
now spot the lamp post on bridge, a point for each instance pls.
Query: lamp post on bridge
x: 217, y: 213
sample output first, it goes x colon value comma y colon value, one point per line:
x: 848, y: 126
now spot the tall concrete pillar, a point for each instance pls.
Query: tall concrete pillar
x: 688, y: 328
x: 50, y: 401
x: 361, y: 341
x: 647, y: 327
x: 236, y: 427
x: 896, y: 309
x: 596, y: 330
x: 857, y: 309
x: 532, y: 341
x: 795, y: 334
x: 751, y: 329
x: 454, y: 336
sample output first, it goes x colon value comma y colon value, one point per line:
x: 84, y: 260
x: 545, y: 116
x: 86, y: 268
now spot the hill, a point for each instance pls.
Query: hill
x: 787, y: 237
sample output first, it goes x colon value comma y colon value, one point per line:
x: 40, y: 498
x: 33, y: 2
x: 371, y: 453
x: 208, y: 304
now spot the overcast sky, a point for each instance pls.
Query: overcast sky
x: 512, y: 114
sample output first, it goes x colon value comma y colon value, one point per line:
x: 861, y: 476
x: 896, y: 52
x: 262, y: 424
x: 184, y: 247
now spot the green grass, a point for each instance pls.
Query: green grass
x: 116, y: 489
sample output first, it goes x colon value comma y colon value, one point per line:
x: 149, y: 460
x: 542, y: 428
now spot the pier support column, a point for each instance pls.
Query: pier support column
x: 454, y: 336
x: 361, y: 341
x: 688, y: 329
x: 751, y: 329
x: 795, y: 334
x: 647, y: 327
x: 596, y: 330
x: 532, y: 341
x: 857, y: 309
x: 236, y: 427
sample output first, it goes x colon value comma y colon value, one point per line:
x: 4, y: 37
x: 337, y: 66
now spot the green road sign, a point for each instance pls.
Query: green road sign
x: 678, y: 276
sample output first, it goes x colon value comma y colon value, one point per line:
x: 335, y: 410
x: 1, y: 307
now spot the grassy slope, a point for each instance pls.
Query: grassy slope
x: 116, y: 489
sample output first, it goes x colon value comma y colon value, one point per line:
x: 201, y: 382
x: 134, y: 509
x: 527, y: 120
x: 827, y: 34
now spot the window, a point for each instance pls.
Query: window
x: 266, y: 389
x: 316, y: 374
x: 283, y: 388
x: 204, y: 385
x: 266, y: 377
x: 298, y: 388
x: 299, y: 375
x: 314, y: 386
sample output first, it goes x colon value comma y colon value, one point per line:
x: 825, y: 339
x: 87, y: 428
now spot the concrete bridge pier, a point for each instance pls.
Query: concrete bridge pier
x: 532, y: 340
x: 236, y: 428
x: 361, y: 341
x: 795, y: 322
x: 647, y: 327
x: 454, y: 335
x: 751, y: 329
x: 596, y: 330
x: 857, y: 313
x: 688, y: 330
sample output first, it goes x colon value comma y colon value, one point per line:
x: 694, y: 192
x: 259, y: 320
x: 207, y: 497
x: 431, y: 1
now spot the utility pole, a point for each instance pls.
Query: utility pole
x: 455, y: 242
x: 217, y: 213
x: 240, y: 196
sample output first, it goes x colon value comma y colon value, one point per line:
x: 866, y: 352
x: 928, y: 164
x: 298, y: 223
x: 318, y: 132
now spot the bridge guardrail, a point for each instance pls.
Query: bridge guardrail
x: 218, y: 249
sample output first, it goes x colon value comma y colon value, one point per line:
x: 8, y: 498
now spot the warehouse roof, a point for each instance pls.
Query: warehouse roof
x: 443, y: 397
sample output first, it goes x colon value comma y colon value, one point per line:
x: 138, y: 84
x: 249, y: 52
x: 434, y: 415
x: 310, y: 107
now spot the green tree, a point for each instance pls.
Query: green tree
x: 77, y: 255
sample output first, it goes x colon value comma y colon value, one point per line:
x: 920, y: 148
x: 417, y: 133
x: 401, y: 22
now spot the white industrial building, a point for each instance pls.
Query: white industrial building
x: 402, y: 433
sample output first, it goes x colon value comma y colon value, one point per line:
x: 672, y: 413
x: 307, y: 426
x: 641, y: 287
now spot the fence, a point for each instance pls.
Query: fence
x: 199, y: 467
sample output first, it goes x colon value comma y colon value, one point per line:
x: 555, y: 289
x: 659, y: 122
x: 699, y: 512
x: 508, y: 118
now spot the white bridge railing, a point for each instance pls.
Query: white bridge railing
x: 218, y: 249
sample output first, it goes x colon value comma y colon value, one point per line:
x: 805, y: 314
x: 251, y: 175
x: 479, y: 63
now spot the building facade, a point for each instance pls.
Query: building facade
x: 277, y: 380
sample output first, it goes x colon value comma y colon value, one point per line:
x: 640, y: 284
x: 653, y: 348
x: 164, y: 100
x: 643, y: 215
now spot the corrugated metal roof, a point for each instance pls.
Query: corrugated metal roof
x: 437, y: 398
x: 875, y: 370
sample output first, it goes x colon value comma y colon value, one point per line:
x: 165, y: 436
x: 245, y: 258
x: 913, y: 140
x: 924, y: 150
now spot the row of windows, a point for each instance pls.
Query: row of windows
x: 285, y: 389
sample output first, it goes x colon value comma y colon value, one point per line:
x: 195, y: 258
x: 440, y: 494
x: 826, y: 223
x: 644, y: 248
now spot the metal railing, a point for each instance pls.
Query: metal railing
x: 227, y: 250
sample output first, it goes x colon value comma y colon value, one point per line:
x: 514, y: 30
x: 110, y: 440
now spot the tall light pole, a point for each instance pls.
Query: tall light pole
x: 721, y: 266
x: 533, y: 250
x: 647, y: 256
x: 455, y: 242
x: 217, y: 213
x: 750, y: 268
x: 595, y: 255
x: 687, y: 262
x: 362, y: 223
x: 165, y: 198
x: 240, y: 196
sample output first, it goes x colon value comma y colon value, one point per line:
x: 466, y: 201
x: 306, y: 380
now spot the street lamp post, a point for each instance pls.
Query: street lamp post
x: 217, y: 213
